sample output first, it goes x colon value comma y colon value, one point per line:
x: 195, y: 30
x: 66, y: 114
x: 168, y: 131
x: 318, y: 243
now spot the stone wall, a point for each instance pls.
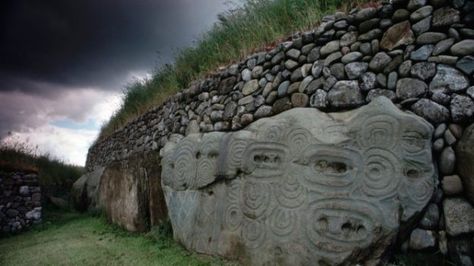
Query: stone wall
x: 417, y: 53
x: 20, y: 201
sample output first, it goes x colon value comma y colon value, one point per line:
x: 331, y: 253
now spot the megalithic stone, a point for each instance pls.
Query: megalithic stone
x: 301, y: 188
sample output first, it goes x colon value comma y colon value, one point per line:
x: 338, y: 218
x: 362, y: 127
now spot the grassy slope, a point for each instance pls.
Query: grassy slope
x: 56, y: 177
x: 76, y: 239
x: 258, y: 24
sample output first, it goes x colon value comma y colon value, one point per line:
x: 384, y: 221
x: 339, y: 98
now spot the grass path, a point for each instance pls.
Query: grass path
x: 75, y: 239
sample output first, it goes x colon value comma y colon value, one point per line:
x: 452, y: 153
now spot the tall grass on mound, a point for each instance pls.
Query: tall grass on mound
x: 56, y: 177
x: 239, y: 32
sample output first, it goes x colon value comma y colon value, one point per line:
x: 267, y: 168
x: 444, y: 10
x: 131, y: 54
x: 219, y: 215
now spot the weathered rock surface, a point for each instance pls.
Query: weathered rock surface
x: 315, y: 187
x: 459, y: 216
x: 131, y: 194
x: 465, y: 155
x: 85, y: 191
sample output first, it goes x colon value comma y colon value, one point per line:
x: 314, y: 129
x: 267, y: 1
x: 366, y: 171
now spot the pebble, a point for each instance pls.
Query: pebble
x: 459, y: 216
x: 356, y: 69
x: 462, y: 108
x: 330, y: 47
x: 250, y: 87
x: 422, y: 239
x: 443, y: 46
x: 447, y: 161
x: 319, y: 99
x: 411, y: 88
x: 351, y: 57
x: 445, y: 16
x: 448, y: 78
x: 299, y: 99
x: 466, y: 65
x: 380, y: 92
x: 345, y: 94
x: 431, y: 111
x: 422, y: 25
x: 422, y: 53
x: 263, y: 111
x: 431, y: 37
x: 379, y: 61
x: 451, y: 185
x: 368, y: 81
x: 438, y: 145
x: 423, y: 70
x: 421, y: 13
x: 283, y: 88
x: 449, y: 137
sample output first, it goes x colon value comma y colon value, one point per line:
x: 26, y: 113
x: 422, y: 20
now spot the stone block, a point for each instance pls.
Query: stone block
x: 301, y: 187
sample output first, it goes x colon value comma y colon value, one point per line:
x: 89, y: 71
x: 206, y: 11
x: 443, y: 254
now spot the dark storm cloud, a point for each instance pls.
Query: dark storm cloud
x: 93, y: 43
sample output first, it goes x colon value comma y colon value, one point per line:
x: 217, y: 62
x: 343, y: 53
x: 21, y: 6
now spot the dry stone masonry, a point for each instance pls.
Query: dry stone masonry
x: 20, y: 201
x: 419, y: 54
x: 303, y: 187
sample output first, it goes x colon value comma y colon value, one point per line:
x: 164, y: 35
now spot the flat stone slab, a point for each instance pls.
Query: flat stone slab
x: 300, y: 188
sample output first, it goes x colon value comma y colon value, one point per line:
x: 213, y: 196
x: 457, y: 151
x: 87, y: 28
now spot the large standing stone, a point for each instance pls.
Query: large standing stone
x: 398, y: 35
x: 85, y: 190
x: 315, y: 187
x: 130, y: 193
x: 465, y: 161
x: 459, y: 216
x: 448, y: 78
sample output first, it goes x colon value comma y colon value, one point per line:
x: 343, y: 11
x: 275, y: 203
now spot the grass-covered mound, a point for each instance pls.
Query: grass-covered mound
x: 55, y: 176
x: 257, y: 25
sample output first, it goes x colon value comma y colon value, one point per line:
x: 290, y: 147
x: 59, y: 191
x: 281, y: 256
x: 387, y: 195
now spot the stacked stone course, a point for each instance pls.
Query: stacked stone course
x: 417, y: 53
x: 20, y: 201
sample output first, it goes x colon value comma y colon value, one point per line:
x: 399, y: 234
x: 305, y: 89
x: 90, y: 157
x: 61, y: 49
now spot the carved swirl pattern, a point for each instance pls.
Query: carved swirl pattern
x: 233, y: 217
x: 273, y: 133
x: 283, y: 222
x: 255, y: 199
x: 290, y: 193
x: 167, y: 170
x: 184, y: 165
x: 298, y: 139
x: 236, y: 150
x: 253, y: 233
x: 381, y: 177
x: 379, y: 131
x: 414, y: 142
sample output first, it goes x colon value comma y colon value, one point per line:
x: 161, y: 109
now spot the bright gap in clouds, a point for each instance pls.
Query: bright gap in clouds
x: 65, y: 126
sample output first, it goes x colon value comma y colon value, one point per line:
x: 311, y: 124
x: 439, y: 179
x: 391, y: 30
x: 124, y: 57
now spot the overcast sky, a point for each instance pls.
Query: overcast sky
x: 64, y: 63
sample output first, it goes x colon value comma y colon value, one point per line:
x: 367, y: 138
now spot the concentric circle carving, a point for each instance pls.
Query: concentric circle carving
x: 379, y: 131
x: 283, y: 222
x: 255, y: 199
x: 381, y: 173
x: 253, y: 233
x: 290, y: 193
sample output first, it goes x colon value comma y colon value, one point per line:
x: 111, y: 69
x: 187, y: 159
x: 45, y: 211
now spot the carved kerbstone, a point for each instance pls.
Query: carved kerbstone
x: 301, y: 188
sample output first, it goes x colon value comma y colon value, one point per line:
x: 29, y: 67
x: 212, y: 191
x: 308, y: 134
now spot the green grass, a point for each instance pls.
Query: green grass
x: 254, y: 26
x: 78, y: 239
x: 55, y: 176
